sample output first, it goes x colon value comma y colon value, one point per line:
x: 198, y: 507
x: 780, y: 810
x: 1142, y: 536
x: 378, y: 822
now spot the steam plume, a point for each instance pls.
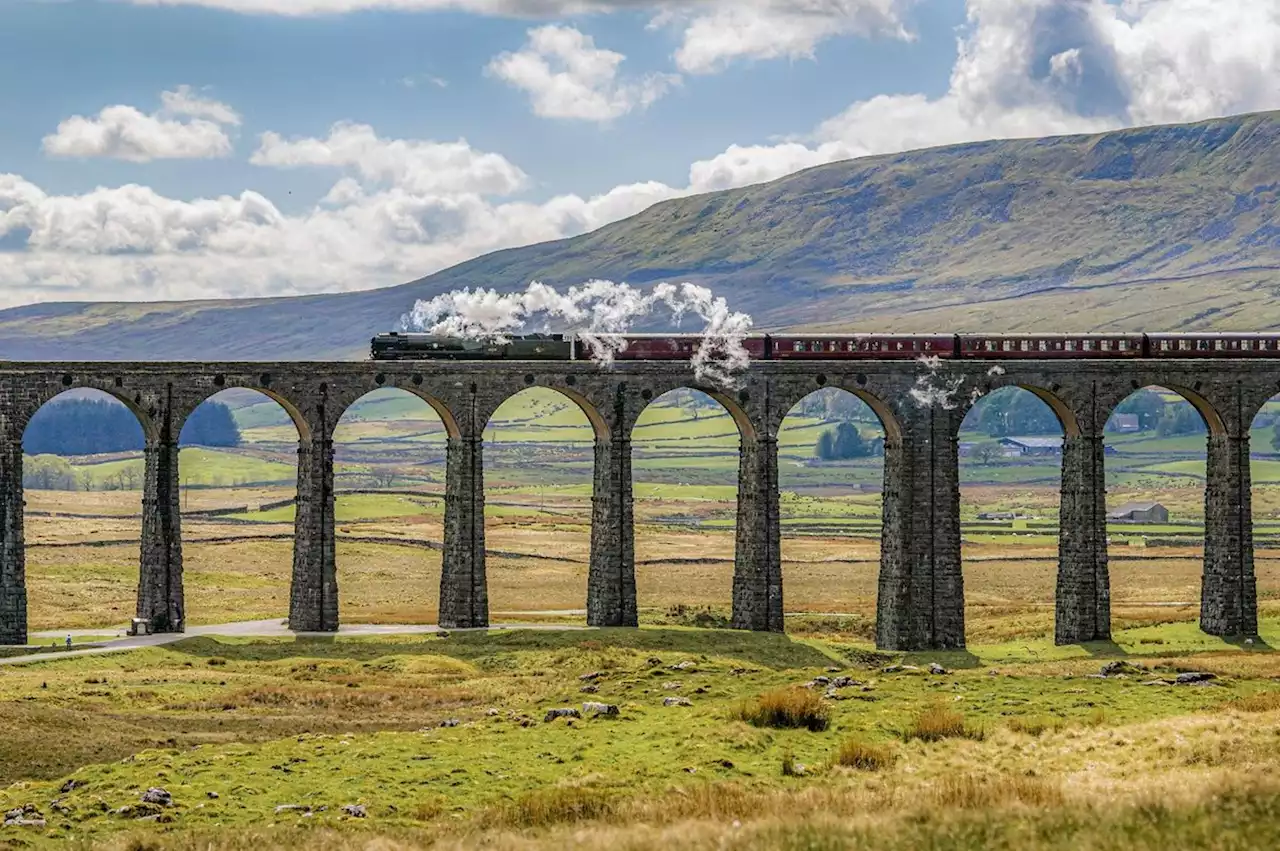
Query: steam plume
x: 600, y: 312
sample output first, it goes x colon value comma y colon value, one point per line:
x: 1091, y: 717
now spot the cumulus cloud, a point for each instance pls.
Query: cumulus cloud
x: 567, y: 76
x: 186, y: 126
x: 771, y: 29
x: 415, y: 166
x: 402, y: 208
x: 1048, y: 67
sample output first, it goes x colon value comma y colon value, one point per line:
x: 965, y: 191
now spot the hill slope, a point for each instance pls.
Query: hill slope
x: 1168, y: 227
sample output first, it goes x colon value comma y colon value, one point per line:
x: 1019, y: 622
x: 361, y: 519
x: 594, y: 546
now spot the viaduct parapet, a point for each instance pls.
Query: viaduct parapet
x: 920, y: 601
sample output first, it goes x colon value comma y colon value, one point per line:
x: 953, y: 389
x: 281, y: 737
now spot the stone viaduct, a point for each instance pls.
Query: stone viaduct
x: 921, y: 590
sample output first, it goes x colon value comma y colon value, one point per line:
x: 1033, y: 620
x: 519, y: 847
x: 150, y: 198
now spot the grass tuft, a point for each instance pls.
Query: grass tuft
x: 1262, y: 702
x: 864, y: 756
x: 938, y: 722
x: 970, y: 791
x: 787, y: 708
x: 556, y: 805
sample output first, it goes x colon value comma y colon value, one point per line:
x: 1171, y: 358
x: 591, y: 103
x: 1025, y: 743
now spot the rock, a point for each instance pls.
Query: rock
x: 935, y: 668
x: 671, y: 686
x: 682, y: 666
x: 491, y: 711
x: 589, y: 689
x: 610, y: 709
x: 654, y: 661
x: 820, y: 681
x: 292, y: 808
x: 594, y: 675
x: 676, y: 701
x: 450, y: 722
x: 1195, y: 677
x: 444, y: 633
x: 355, y: 810
x: 567, y: 712
x: 156, y: 795
x: 845, y: 682
x: 832, y: 669
x: 724, y: 763
x: 70, y: 785
x: 1158, y: 683
x: 22, y: 821
x: 1118, y: 667
x: 213, y: 796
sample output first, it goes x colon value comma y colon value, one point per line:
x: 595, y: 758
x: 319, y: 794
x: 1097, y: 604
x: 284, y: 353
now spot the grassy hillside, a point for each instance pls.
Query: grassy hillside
x: 1168, y: 227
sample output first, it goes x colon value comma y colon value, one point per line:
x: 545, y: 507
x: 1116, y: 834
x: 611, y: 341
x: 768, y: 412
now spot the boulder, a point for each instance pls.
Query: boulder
x: 156, y: 795
x: 594, y: 675
x: 592, y: 708
x: 355, y: 810
x: 567, y: 712
x: 450, y: 722
x: 935, y: 668
x: 1119, y: 667
x: 589, y: 689
x: 1195, y: 677
x: 676, y: 701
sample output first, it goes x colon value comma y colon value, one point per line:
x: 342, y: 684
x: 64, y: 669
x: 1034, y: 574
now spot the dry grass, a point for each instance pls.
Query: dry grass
x: 973, y: 791
x: 1036, y: 725
x: 553, y: 806
x: 1266, y: 701
x: 863, y: 755
x: 938, y: 722
x: 786, y: 708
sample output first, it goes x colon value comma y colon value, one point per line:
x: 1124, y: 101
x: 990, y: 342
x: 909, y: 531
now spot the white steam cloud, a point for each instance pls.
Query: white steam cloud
x: 600, y: 312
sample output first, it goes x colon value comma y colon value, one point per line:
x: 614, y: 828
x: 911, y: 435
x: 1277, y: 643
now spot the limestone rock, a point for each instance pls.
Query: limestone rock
x: 935, y: 668
x: 592, y: 708
x: 676, y: 701
x: 1191, y: 677
x: 156, y: 795
x: 355, y: 810
x: 567, y: 712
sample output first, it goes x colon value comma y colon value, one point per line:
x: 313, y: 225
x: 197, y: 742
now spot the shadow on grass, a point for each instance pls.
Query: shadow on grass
x: 954, y: 659
x: 769, y: 650
x: 1107, y: 649
x: 1248, y: 642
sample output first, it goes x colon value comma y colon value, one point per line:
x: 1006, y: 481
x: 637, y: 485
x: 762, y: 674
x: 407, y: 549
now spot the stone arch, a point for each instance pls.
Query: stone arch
x: 1012, y: 443
x: 538, y: 532
x: 442, y: 410
x: 391, y: 481
x: 113, y: 569
x: 817, y: 583
x: 179, y: 417
x: 700, y: 573
x: 253, y: 577
x: 1180, y: 559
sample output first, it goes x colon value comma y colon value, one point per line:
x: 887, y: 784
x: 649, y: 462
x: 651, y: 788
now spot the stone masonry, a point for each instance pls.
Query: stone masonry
x: 920, y: 589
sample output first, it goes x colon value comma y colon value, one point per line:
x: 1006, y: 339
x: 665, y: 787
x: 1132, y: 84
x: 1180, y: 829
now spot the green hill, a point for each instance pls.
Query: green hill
x: 1158, y: 227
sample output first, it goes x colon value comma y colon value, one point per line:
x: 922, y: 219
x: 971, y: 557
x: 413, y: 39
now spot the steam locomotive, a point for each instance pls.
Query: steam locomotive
x: 414, y: 346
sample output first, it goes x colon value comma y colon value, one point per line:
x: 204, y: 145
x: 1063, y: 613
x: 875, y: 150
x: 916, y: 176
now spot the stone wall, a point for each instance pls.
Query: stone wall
x: 921, y: 589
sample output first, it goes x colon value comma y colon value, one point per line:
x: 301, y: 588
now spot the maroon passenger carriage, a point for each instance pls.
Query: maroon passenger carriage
x: 862, y: 346
x: 1213, y: 345
x: 1042, y: 346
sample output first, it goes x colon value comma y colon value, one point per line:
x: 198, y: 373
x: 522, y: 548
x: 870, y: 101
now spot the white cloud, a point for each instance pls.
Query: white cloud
x: 403, y: 208
x: 417, y: 166
x: 187, y: 126
x: 772, y: 29
x: 567, y: 76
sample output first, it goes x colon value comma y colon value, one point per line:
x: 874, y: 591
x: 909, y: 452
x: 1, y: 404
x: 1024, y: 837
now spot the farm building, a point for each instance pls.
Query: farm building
x: 1124, y: 423
x: 1017, y: 447
x: 1140, y: 512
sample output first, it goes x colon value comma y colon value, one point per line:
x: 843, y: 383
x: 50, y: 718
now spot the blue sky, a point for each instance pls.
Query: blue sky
x: 574, y: 113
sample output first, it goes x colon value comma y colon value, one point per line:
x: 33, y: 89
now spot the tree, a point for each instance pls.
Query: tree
x: 1014, y: 411
x: 1275, y: 437
x: 79, y: 426
x: 211, y: 424
x: 842, y: 443
x: 1146, y: 404
x: 987, y: 453
x: 48, y: 472
x: 1180, y: 419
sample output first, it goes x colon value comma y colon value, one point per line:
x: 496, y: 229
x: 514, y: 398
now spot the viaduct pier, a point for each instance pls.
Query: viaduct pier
x: 920, y: 602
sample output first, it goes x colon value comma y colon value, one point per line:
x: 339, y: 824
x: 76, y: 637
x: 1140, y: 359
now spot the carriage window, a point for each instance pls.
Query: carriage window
x: 1106, y: 345
x: 1164, y: 345
x: 1044, y: 345
x: 1026, y: 345
x: 990, y: 345
x: 1218, y: 345
x: 1184, y: 345
x: 898, y: 345
x: 1246, y: 345
x: 1124, y: 345
x: 1071, y: 345
x: 1008, y: 345
x: 1088, y: 345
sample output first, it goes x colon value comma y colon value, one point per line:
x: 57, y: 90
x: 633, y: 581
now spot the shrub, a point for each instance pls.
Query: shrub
x: 787, y: 708
x: 937, y: 723
x: 864, y: 756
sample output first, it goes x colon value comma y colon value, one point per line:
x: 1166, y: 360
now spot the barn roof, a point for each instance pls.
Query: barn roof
x: 1136, y: 506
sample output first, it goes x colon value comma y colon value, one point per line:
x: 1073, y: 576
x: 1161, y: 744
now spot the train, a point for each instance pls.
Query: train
x: 399, y: 345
